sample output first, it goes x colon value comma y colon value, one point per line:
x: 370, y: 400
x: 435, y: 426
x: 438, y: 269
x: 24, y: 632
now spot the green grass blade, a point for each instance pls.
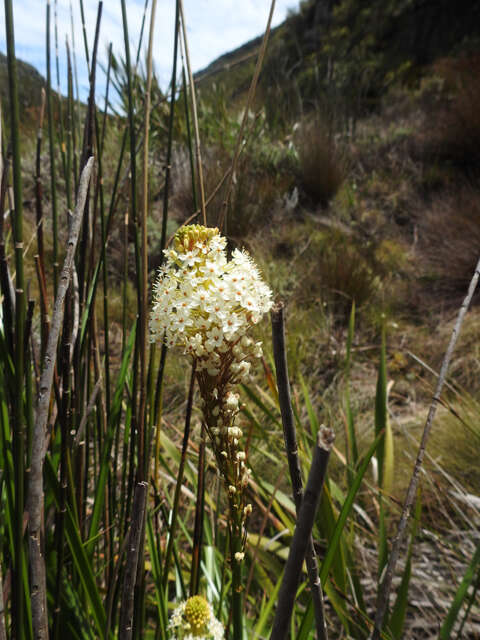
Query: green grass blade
x: 346, y: 509
x: 460, y: 596
x: 267, y: 609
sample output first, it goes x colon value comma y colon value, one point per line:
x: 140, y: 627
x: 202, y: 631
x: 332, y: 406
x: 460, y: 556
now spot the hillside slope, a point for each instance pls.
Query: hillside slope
x: 30, y: 84
x: 353, y: 49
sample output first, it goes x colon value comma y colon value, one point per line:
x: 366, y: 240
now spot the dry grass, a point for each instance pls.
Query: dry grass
x: 449, y: 240
x: 255, y: 197
x: 321, y: 166
x: 452, y: 131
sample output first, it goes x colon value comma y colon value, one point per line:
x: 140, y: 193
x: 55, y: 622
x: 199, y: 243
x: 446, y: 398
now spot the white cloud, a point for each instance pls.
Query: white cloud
x: 213, y: 27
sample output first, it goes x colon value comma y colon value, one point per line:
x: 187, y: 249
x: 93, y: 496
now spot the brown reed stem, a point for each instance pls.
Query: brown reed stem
x: 291, y: 447
x: 195, y: 116
x: 35, y: 485
x: 133, y: 552
x: 386, y: 585
x: 302, y: 534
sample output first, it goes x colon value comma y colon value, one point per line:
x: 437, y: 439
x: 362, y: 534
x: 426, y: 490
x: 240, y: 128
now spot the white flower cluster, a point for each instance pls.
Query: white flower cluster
x: 205, y: 303
x: 193, y: 619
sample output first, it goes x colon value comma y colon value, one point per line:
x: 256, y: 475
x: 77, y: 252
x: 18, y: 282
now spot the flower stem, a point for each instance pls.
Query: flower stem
x: 237, y: 586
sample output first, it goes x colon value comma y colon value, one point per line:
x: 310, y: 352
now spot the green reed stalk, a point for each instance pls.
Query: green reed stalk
x: 103, y: 229
x: 140, y: 38
x: 236, y: 536
x: 61, y: 130
x: 85, y: 41
x: 158, y: 404
x: 69, y: 126
x: 72, y: 125
x: 18, y: 618
x: 199, y: 513
x: 40, y: 258
x: 85, y: 247
x: 29, y: 356
x: 5, y: 279
x: 173, y: 88
x: 137, y: 422
x: 51, y: 142
x: 143, y: 461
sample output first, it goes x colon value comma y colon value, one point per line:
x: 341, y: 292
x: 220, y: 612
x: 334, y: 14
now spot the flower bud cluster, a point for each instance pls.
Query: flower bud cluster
x: 193, y: 619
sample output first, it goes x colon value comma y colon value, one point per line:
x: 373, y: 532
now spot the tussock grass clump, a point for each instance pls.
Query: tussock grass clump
x: 449, y: 237
x: 453, y: 129
x: 321, y: 167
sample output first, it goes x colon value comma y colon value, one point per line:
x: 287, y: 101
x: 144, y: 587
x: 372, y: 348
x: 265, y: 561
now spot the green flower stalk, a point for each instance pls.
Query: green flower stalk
x: 206, y: 304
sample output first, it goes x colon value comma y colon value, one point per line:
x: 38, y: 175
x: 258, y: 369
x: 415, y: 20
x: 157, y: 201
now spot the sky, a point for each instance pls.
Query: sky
x: 214, y: 27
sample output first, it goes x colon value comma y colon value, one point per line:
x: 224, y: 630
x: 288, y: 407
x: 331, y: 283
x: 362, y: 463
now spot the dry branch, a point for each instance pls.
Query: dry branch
x: 133, y: 552
x: 302, y: 535
x: 35, y: 483
x: 290, y: 436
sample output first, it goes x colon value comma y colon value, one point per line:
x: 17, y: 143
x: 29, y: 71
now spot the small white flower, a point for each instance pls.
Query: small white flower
x: 194, y: 620
x: 231, y: 401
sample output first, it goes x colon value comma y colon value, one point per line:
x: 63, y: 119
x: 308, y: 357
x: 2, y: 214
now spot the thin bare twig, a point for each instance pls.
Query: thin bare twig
x: 386, y: 585
x: 35, y: 484
x: 136, y: 529
x: 289, y: 432
x: 302, y: 535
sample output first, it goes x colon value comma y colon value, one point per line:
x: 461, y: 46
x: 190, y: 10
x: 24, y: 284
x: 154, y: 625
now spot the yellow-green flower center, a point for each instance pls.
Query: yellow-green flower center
x: 197, y: 614
x: 187, y: 236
